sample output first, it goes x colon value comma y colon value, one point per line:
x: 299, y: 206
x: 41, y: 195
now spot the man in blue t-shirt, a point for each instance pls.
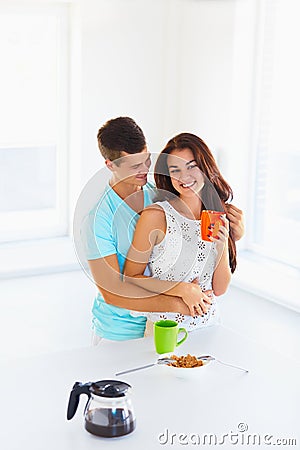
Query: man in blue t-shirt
x: 107, y: 233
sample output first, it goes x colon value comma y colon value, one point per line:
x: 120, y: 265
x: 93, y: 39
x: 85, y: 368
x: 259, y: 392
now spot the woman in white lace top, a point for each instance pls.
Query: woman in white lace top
x: 168, y: 235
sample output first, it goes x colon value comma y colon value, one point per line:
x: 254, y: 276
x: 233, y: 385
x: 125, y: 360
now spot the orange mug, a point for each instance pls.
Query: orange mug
x: 209, y: 218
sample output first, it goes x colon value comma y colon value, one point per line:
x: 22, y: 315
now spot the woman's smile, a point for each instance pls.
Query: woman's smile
x: 185, y: 174
x: 188, y: 185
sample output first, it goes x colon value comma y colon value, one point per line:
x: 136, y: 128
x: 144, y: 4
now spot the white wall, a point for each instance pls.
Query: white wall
x: 122, y: 68
x: 204, y: 38
x: 166, y: 63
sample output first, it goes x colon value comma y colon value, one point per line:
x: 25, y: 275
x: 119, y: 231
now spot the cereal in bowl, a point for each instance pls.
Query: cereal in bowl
x: 187, y: 361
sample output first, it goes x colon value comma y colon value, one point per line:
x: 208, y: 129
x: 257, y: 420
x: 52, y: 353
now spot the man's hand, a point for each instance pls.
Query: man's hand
x: 236, y: 221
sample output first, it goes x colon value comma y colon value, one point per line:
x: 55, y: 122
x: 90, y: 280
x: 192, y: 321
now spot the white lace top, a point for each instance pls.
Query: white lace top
x: 183, y: 256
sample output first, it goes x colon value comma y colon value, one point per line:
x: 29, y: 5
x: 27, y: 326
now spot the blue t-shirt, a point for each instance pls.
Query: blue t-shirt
x: 107, y: 230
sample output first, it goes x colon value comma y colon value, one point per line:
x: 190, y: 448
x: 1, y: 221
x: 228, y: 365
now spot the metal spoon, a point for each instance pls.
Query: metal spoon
x: 170, y: 360
x: 159, y: 361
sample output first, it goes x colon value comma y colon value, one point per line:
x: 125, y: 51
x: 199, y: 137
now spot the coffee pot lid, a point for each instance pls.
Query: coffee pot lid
x: 109, y: 388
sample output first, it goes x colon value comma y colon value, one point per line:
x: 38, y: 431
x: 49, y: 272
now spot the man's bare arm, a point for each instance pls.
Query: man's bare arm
x: 105, y: 272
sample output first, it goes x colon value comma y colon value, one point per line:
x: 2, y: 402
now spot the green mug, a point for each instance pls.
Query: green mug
x: 165, y: 336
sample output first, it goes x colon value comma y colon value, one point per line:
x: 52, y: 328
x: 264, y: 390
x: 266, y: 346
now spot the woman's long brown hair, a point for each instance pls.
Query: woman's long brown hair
x: 215, y: 192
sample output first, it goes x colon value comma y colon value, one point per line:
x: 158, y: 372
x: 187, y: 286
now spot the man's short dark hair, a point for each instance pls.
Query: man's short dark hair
x: 120, y: 135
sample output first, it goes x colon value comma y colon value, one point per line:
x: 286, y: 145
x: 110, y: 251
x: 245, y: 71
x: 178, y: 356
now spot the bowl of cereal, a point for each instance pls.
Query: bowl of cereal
x: 185, y: 366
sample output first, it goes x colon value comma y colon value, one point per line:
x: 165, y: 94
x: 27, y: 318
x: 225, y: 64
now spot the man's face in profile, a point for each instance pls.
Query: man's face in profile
x: 132, y: 169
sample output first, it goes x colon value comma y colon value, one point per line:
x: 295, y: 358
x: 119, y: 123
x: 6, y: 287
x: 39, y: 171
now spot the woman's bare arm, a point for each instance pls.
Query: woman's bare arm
x: 149, y: 231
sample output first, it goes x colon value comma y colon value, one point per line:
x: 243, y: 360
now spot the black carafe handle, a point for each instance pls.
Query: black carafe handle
x: 77, y: 390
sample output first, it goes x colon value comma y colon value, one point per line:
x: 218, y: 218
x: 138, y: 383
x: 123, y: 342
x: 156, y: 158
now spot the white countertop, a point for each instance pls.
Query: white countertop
x: 224, y: 402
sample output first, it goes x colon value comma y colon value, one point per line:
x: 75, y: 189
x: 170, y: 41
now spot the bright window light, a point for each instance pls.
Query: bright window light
x: 276, y: 209
x: 33, y: 117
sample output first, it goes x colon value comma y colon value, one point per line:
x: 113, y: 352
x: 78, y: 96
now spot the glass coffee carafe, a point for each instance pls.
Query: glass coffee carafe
x: 108, y: 411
